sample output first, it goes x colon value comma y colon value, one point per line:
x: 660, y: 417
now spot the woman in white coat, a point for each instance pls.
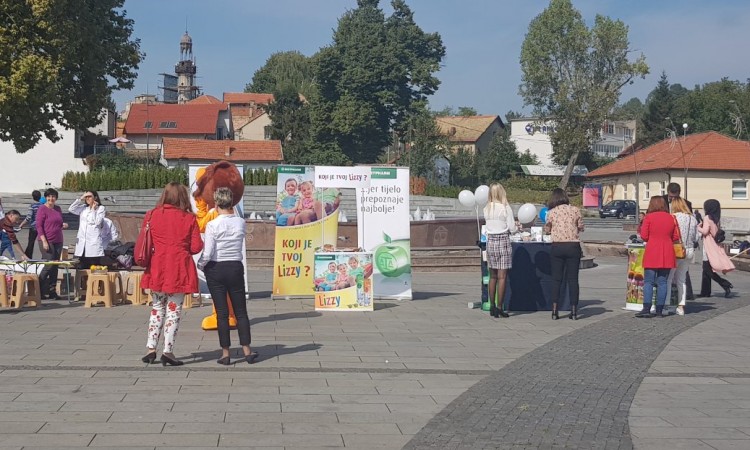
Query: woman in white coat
x: 89, y: 247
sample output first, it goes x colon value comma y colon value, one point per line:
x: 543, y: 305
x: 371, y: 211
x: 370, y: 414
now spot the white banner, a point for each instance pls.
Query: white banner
x: 384, y: 229
x: 342, y: 177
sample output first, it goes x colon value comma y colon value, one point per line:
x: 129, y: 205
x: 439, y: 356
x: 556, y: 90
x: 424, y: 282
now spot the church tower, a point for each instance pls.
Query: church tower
x: 185, y: 70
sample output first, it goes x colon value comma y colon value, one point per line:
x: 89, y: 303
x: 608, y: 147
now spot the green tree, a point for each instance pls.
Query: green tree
x: 369, y: 80
x: 709, y: 108
x: 426, y: 143
x: 574, y: 75
x: 290, y: 123
x: 284, y: 71
x: 660, y: 104
x: 59, y: 62
x: 465, y: 111
x: 633, y: 109
x: 501, y: 159
x: 463, y: 168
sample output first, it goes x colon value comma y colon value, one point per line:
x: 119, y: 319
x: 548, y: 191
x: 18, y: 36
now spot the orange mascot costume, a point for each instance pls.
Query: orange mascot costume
x: 218, y: 174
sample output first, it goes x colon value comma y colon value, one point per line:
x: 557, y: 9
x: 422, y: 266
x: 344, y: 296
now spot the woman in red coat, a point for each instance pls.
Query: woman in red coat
x: 659, y: 231
x: 171, y: 273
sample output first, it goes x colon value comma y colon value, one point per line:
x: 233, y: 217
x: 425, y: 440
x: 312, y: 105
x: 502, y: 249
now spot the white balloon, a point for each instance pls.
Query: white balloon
x: 526, y: 213
x: 482, y: 195
x: 466, y: 198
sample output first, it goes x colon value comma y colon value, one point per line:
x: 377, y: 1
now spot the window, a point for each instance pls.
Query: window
x: 646, y: 191
x: 148, y: 124
x: 167, y: 124
x: 610, y: 128
x: 662, y: 188
x: 267, y: 132
x: 739, y: 189
x: 625, y: 191
x: 627, y: 132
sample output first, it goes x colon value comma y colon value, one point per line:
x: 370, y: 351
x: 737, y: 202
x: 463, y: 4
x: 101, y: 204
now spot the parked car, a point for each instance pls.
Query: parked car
x: 618, y: 208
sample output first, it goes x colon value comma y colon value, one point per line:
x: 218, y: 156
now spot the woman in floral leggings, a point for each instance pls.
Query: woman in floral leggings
x: 171, y: 273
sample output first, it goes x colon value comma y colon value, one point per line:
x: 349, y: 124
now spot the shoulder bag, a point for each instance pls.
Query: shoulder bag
x: 679, y: 247
x: 144, y: 245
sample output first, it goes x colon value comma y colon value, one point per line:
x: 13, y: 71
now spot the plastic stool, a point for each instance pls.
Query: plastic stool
x: 117, y: 291
x: 192, y: 302
x: 133, y: 291
x: 79, y: 287
x: 25, y: 290
x: 4, y: 293
x: 99, y: 289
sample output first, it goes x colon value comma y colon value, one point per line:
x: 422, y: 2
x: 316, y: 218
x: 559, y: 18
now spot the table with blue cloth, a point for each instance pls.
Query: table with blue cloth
x: 529, y: 284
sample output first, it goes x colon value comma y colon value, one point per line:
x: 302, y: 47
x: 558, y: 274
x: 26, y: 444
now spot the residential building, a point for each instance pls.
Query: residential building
x: 470, y: 133
x: 44, y: 165
x: 249, y: 120
x: 148, y: 124
x: 250, y: 154
x: 706, y: 165
x: 533, y: 134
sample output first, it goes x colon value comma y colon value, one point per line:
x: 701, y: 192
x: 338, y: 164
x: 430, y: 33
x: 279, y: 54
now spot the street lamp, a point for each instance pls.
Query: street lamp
x: 673, y: 135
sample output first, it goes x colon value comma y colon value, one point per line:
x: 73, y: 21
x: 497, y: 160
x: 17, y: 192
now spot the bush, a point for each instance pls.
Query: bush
x: 433, y: 190
x: 260, y: 177
x: 109, y: 180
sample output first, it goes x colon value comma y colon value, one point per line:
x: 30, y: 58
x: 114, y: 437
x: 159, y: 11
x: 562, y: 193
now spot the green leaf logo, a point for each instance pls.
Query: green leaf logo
x: 386, y: 238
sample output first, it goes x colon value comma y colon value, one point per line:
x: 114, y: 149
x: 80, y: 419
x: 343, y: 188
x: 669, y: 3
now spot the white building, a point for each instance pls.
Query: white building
x: 43, y: 166
x: 529, y: 133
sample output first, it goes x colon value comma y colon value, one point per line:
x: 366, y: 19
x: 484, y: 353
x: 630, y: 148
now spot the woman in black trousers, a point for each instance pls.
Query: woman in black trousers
x: 564, y: 222
x: 221, y: 262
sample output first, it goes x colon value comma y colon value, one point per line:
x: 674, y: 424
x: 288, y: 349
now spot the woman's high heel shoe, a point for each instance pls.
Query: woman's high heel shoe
x: 150, y: 358
x: 555, y: 315
x: 251, y: 357
x: 172, y: 362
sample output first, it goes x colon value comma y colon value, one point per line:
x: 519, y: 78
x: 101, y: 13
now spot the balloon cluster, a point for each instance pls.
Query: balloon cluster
x: 478, y: 198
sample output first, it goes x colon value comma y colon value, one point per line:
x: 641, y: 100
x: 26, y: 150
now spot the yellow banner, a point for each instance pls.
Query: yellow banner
x: 294, y: 253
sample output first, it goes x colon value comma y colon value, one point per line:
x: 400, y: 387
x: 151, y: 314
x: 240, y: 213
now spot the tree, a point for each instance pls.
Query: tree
x: 370, y: 79
x: 574, y: 75
x: 633, y: 109
x: 708, y: 108
x: 59, y: 63
x: 283, y: 71
x: 659, y: 105
x: 465, y: 111
x: 426, y: 143
x: 290, y: 123
x: 501, y: 159
x: 463, y: 168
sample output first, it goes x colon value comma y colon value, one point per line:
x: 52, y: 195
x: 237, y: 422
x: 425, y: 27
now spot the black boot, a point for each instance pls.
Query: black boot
x: 493, y: 310
x: 645, y: 312
x: 660, y: 311
x: 573, y: 313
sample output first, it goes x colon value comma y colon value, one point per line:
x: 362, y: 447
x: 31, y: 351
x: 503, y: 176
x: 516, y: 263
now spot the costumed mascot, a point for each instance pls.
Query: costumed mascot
x: 207, y: 180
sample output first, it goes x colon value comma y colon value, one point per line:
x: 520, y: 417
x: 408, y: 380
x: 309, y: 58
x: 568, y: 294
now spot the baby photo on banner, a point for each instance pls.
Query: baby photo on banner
x: 343, y: 281
x: 385, y: 230
x: 305, y: 216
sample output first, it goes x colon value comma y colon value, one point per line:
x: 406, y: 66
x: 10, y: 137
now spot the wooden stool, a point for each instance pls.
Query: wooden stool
x: 118, y: 292
x: 133, y: 292
x: 65, y: 285
x: 79, y: 287
x: 99, y: 289
x: 4, y: 293
x: 25, y: 290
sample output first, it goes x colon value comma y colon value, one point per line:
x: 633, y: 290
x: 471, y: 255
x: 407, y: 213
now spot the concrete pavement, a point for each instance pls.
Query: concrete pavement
x: 72, y: 376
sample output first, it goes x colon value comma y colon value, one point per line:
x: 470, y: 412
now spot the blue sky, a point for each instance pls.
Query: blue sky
x: 693, y: 41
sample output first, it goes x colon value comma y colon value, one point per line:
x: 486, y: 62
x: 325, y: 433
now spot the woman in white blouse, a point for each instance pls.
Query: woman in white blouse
x: 499, y: 223
x: 221, y: 262
x: 89, y: 246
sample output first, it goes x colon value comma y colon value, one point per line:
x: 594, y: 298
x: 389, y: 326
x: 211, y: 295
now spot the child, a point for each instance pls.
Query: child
x: 287, y: 203
x: 330, y: 277
x: 305, y: 212
x: 8, y: 235
x: 343, y: 281
x: 357, y: 275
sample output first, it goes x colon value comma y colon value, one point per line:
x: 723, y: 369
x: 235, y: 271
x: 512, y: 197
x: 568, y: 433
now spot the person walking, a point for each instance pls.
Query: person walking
x: 564, y: 223
x: 30, y: 220
x: 659, y: 231
x: 89, y: 248
x: 49, y: 228
x: 715, y: 258
x: 688, y: 227
x: 499, y: 223
x: 222, y: 263
x: 171, y: 273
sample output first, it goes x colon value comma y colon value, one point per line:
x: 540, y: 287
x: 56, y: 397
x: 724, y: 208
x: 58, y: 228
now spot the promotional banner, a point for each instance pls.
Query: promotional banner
x: 384, y: 229
x: 194, y: 172
x: 306, y: 219
x: 343, y: 281
x: 339, y: 177
x: 634, y: 293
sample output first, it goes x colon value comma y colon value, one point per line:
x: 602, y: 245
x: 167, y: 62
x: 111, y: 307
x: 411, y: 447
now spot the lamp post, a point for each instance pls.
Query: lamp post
x: 673, y: 135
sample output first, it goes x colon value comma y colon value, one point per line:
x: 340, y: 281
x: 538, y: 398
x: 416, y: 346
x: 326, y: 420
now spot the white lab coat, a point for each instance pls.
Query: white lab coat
x: 109, y: 233
x: 89, y: 229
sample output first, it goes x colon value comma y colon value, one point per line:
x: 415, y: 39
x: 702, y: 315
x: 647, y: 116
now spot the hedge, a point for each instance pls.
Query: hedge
x: 113, y: 180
